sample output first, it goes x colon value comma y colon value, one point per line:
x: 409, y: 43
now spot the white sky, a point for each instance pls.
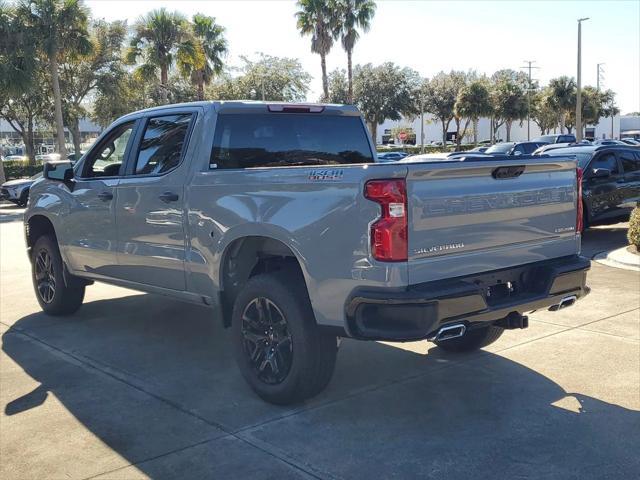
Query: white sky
x: 430, y: 36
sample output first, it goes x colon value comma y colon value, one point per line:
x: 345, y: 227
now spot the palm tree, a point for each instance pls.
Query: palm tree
x: 353, y: 14
x: 210, y: 47
x: 160, y: 38
x: 563, y: 97
x: 318, y: 18
x: 60, y: 26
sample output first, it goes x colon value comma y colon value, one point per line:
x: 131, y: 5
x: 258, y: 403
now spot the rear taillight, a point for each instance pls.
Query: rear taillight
x: 389, y: 232
x: 580, y: 208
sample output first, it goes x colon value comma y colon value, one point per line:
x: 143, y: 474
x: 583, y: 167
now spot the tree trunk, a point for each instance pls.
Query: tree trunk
x: 325, y: 83
x: 445, y: 127
x: 475, y: 131
x: 373, y: 129
x: 57, y: 98
x: 491, y: 132
x: 200, y: 86
x: 75, y: 133
x: 29, y: 143
x: 3, y: 177
x: 350, y: 78
x: 508, y: 127
x: 562, y: 121
x: 164, y: 81
x: 457, y: 120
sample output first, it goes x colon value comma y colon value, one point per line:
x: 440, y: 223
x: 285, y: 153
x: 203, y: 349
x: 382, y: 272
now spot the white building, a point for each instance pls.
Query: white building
x: 433, y: 129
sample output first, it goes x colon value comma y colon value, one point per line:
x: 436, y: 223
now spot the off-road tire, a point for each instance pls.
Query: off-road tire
x: 312, y: 356
x: 66, y: 297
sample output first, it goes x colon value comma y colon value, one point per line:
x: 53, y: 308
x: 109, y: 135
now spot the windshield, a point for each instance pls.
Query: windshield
x: 284, y: 139
x: 36, y: 176
x: 500, y: 148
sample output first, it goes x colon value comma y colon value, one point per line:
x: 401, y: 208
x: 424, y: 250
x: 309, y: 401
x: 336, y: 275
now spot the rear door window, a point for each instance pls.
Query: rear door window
x: 285, y: 139
x: 162, y: 144
x: 630, y: 162
x: 606, y: 160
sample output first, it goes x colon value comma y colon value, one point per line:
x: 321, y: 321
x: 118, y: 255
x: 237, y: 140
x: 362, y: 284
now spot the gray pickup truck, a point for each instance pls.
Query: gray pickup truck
x: 279, y: 218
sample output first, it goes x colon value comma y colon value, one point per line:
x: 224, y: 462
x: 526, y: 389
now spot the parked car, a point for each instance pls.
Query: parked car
x: 513, y: 148
x: 479, y: 149
x: 17, y: 191
x: 561, y: 138
x: 631, y: 141
x: 277, y: 217
x: 608, y: 141
x: 15, y: 158
x: 555, y: 146
x: 386, y: 157
x: 611, y: 180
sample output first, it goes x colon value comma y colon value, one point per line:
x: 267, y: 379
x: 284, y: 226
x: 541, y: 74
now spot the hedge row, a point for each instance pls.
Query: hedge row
x: 13, y: 170
x: 633, y: 233
x: 416, y: 149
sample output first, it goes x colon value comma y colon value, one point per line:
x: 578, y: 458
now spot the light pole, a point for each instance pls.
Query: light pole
x: 600, y: 75
x: 529, y: 66
x: 579, y: 86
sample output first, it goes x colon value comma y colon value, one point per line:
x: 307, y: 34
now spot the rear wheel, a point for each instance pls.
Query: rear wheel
x: 55, y: 296
x: 473, y: 339
x: 283, y: 355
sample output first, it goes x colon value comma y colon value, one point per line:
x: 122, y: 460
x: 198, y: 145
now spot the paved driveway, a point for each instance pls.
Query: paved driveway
x: 137, y: 386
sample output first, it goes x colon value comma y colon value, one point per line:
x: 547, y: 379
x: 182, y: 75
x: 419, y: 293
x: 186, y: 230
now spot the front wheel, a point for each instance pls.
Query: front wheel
x: 473, y: 339
x: 280, y: 350
x: 54, y: 295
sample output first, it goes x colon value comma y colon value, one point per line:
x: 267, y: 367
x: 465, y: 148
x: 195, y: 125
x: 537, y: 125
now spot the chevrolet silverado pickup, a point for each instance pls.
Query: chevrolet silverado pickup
x: 278, y: 217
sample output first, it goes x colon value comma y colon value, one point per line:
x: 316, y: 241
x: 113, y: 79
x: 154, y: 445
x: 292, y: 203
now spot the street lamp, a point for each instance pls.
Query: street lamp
x: 579, y: 86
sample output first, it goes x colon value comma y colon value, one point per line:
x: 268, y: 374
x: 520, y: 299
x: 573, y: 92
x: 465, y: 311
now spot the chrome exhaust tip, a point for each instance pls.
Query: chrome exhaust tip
x: 450, y: 331
x: 564, y: 303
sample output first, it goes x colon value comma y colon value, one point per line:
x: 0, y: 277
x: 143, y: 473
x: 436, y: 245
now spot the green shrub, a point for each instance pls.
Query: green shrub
x: 13, y: 170
x: 416, y: 149
x: 634, y: 228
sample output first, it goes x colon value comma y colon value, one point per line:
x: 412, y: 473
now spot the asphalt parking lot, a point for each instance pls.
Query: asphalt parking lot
x: 139, y: 386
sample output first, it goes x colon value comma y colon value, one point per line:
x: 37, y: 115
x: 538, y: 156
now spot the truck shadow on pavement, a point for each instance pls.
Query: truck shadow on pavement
x: 149, y: 376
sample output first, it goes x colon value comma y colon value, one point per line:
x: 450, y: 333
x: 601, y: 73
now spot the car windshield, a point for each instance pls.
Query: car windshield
x: 36, y: 176
x: 500, y: 148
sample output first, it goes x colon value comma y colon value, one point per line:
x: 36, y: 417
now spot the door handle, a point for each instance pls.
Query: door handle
x: 169, y: 197
x: 105, y: 196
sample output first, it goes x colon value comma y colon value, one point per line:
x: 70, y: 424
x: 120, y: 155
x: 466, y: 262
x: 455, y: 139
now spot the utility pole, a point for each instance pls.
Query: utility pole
x: 529, y: 66
x: 600, y: 76
x: 579, y: 82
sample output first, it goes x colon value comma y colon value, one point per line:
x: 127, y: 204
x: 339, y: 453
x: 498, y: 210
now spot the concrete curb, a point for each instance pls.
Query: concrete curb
x: 620, y: 258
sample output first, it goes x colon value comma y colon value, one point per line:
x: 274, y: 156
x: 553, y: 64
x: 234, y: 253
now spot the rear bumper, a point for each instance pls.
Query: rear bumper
x: 418, y: 311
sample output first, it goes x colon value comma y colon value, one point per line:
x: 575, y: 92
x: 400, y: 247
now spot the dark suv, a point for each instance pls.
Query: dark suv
x: 611, y: 180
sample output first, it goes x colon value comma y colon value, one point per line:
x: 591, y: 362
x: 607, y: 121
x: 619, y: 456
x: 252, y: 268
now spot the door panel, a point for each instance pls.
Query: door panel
x: 630, y: 161
x: 606, y: 197
x: 90, y: 224
x: 150, y: 205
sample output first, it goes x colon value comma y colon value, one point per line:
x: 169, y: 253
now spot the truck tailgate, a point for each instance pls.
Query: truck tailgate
x: 469, y: 217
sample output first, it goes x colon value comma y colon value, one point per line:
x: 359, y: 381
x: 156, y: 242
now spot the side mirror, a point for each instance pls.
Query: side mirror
x: 61, y: 171
x: 601, y: 172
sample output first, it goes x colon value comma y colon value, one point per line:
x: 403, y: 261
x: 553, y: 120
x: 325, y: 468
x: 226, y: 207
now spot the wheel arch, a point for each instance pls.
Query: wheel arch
x: 36, y: 226
x: 250, y: 255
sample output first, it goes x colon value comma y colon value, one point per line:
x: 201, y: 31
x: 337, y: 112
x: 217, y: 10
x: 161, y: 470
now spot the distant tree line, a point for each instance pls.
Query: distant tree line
x: 461, y: 98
